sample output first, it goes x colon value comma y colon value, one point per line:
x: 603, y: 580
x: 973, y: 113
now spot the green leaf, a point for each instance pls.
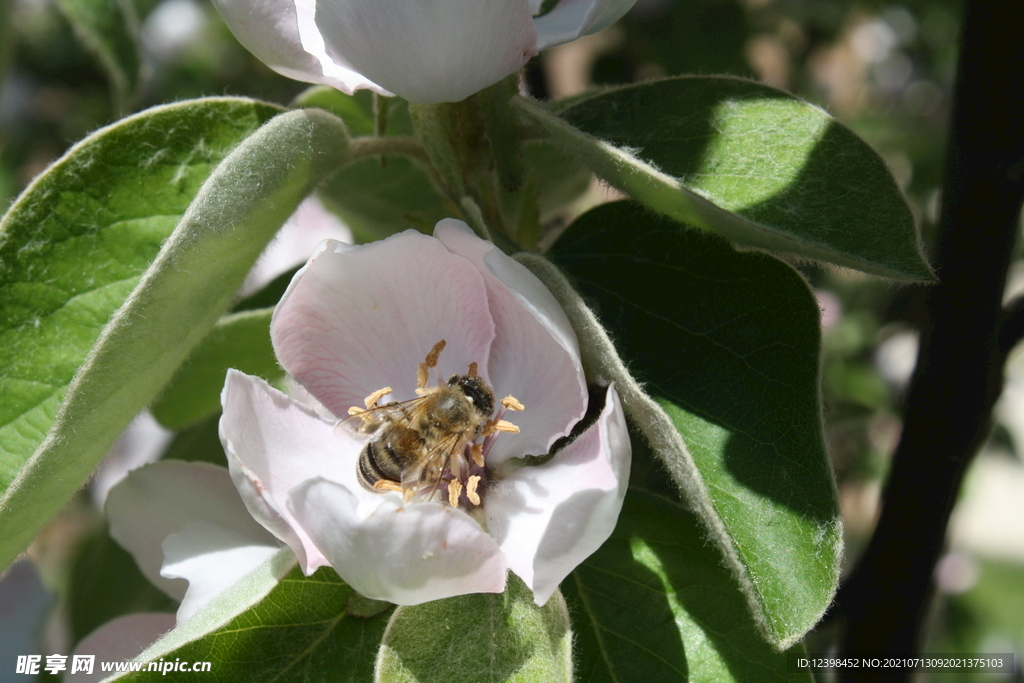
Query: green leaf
x: 301, y: 630
x: 749, y: 162
x: 727, y: 344
x: 654, y: 603
x: 375, y: 199
x: 240, y: 341
x: 357, y: 110
x: 77, y: 240
x: 65, y: 288
x: 481, y: 638
x: 199, y: 442
x: 110, y: 29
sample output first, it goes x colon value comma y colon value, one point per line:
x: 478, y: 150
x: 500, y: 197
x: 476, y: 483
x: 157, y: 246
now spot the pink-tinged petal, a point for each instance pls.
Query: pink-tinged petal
x: 283, y: 34
x: 574, y: 18
x: 403, y: 554
x: 142, y: 442
x: 548, y: 519
x: 121, y: 639
x: 358, y: 318
x: 535, y: 356
x: 161, y: 499
x: 430, y: 50
x: 211, y: 558
x: 310, y: 225
x: 273, y: 444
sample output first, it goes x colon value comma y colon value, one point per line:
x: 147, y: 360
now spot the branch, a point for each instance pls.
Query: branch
x: 959, y: 370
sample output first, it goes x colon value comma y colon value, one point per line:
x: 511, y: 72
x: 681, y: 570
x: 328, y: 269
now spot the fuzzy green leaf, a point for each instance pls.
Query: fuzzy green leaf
x: 77, y: 240
x: 654, y: 603
x: 74, y: 248
x: 307, y: 629
x: 727, y: 344
x: 481, y: 638
x: 240, y: 341
x: 749, y: 162
x: 110, y: 29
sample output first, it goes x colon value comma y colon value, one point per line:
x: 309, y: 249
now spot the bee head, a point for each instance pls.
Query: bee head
x: 476, y: 390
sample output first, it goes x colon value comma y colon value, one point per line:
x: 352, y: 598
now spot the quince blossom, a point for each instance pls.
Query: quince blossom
x: 359, y: 318
x: 426, y: 51
x: 355, y: 318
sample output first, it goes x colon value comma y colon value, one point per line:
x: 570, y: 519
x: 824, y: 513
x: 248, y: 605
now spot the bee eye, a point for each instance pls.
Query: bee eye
x: 453, y: 380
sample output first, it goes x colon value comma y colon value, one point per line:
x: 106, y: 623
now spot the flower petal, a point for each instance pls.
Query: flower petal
x: 535, y: 356
x: 574, y: 18
x: 284, y: 36
x: 311, y: 224
x: 430, y: 50
x: 211, y: 558
x: 143, y: 441
x: 158, y: 500
x: 118, y: 640
x: 403, y: 554
x: 274, y: 444
x: 357, y: 319
x: 547, y: 519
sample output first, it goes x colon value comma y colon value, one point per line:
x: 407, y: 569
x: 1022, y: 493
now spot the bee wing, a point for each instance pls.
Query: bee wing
x: 427, y: 474
x: 398, y: 412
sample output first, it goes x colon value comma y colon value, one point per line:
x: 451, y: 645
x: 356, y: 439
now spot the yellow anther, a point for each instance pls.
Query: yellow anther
x: 371, y: 400
x: 512, y: 403
x: 455, y: 490
x: 505, y: 426
x: 471, y: 486
x: 434, y: 353
x: 355, y: 410
x: 476, y: 451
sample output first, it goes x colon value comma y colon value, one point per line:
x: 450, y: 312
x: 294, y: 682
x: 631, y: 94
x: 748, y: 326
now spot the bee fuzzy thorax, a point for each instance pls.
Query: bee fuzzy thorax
x: 433, y: 447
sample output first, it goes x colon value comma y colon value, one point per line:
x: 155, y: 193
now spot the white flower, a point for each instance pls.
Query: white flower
x: 356, y: 319
x: 423, y: 50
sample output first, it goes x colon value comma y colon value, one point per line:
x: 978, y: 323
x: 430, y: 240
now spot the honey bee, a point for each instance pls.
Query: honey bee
x: 419, y: 447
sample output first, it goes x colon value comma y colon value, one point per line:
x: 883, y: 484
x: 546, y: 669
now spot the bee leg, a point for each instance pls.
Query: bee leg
x: 387, y: 485
x: 423, y: 371
x: 371, y: 400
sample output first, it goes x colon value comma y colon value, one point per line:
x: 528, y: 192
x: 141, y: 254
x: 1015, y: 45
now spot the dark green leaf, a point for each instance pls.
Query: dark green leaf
x: 654, y: 603
x: 377, y: 200
x: 62, y: 299
x: 199, y: 442
x: 481, y: 638
x: 357, y: 110
x: 727, y: 343
x: 299, y: 632
x: 749, y: 162
x: 240, y: 341
x: 104, y: 583
x: 109, y: 28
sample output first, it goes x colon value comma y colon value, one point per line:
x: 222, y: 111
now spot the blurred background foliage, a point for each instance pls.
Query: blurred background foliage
x: 885, y: 68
